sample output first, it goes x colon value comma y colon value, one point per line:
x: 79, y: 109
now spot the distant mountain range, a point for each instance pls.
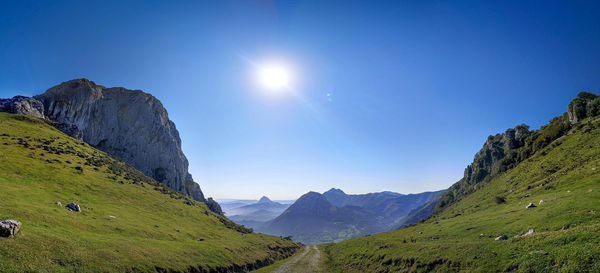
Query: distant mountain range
x: 253, y: 213
x: 335, y: 216
x: 394, y: 207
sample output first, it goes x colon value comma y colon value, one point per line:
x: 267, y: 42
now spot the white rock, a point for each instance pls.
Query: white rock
x: 9, y: 228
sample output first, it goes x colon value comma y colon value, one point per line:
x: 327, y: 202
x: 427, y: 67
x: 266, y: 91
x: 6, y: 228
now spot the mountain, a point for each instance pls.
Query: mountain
x: 389, y: 205
x: 265, y: 199
x: 337, y: 197
x: 254, y: 218
x: 417, y: 215
x: 486, y: 221
x: 312, y: 219
x: 256, y: 214
x: 334, y: 215
x: 263, y: 204
x: 229, y: 204
x: 127, y: 221
x: 129, y: 125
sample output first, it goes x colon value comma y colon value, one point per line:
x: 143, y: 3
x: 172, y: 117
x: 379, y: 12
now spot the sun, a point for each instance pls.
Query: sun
x: 275, y: 77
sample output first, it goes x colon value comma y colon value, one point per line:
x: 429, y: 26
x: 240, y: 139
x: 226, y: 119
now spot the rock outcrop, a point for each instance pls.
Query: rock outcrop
x: 22, y: 105
x: 584, y: 106
x: 214, y: 206
x: 504, y: 151
x: 129, y: 125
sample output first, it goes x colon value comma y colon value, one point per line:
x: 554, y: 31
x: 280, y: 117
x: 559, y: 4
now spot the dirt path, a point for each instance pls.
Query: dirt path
x: 306, y: 262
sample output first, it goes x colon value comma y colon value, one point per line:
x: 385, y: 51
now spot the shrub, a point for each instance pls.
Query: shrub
x: 594, y: 107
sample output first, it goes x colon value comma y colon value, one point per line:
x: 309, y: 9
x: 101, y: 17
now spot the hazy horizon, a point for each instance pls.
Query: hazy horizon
x: 395, y: 97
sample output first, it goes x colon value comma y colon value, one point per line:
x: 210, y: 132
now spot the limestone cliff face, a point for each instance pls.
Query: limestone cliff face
x: 132, y: 126
x: 23, y: 106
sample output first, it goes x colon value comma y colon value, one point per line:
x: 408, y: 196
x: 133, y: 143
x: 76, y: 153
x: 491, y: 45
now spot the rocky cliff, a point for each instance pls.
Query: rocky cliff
x: 23, y: 106
x: 504, y: 151
x: 584, y: 106
x: 130, y: 125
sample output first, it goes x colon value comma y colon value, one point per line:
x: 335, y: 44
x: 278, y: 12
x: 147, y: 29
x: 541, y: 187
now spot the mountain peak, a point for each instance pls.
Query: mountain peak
x: 334, y: 190
x: 264, y: 199
x: 312, y: 198
x: 312, y: 203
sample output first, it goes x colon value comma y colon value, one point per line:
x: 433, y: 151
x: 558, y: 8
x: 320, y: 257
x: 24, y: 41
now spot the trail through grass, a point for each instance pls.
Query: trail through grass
x: 308, y: 261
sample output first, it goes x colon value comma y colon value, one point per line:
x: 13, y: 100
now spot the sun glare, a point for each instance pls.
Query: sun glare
x: 274, y: 77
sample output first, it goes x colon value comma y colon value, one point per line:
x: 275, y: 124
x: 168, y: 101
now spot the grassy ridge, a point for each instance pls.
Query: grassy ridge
x: 127, y: 223
x: 565, y: 174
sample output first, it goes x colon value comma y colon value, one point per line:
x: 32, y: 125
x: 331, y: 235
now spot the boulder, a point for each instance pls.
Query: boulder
x: 74, y: 207
x: 9, y: 228
x: 531, y: 205
x: 502, y: 238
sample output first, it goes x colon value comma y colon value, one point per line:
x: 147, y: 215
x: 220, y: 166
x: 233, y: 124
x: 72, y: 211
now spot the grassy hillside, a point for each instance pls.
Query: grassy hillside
x: 565, y: 174
x: 128, y: 222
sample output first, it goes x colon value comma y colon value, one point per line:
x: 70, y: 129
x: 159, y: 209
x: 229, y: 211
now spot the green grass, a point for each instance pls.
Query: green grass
x: 566, y: 175
x: 153, y: 228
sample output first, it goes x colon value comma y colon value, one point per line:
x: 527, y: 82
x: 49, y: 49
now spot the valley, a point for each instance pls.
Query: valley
x: 278, y: 136
x: 333, y: 216
x: 527, y: 203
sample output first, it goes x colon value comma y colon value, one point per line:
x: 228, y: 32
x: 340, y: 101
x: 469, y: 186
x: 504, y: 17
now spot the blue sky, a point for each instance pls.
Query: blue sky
x: 415, y: 86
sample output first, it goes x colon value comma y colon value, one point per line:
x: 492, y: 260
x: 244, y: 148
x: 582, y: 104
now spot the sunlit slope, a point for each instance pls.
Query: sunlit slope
x: 565, y: 174
x: 127, y: 224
